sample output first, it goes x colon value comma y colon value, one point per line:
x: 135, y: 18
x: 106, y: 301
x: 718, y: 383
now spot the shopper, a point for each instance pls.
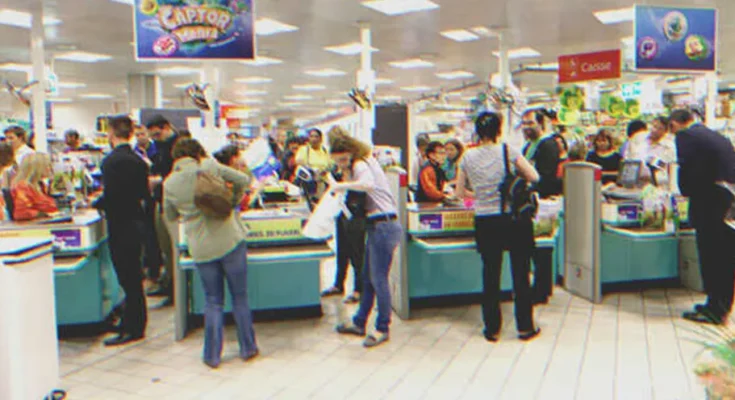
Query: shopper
x: 707, y: 158
x: 30, y: 195
x: 7, y: 169
x: 18, y: 139
x: 230, y: 156
x: 350, y: 234
x: 496, y: 230
x: 431, y: 177
x: 383, y: 234
x: 605, y: 155
x: 635, y: 132
x: 660, y: 144
x: 542, y: 151
x: 314, y: 155
x: 144, y: 146
x: 217, y: 246
x: 288, y: 162
x: 124, y: 199
x: 164, y: 137
x: 454, y: 151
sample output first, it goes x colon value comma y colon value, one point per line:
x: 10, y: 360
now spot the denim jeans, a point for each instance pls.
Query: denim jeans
x: 382, y: 240
x: 232, y: 267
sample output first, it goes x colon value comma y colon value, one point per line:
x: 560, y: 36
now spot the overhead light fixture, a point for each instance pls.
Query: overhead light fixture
x: 177, y: 71
x: 15, y: 67
x: 253, y: 80
x: 290, y: 104
x: 325, y: 72
x: 349, y: 49
x: 309, y: 87
x: 383, y: 81
x: 616, y: 16
x: 96, y: 96
x: 83, y: 56
x: 182, y: 85
x: 22, y: 19
x: 551, y: 66
x: 262, y: 61
x: 455, y: 75
x: 460, y: 35
x: 416, y: 88
x: 70, y: 85
x: 59, y: 99
x: 482, y: 31
x: 336, y: 102
x: 128, y: 2
x: 523, y: 52
x: 253, y: 92
x: 399, y: 7
x: 250, y: 101
x: 412, y: 63
x: 298, y: 97
x: 268, y: 27
x: 390, y: 98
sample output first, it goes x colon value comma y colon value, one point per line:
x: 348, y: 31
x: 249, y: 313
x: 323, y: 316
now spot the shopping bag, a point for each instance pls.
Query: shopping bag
x: 260, y: 159
x: 321, y: 224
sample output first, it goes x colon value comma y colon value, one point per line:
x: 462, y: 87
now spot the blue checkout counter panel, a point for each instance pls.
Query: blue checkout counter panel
x: 279, y: 278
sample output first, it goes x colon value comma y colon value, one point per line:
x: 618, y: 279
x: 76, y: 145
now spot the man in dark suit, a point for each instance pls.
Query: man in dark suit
x: 707, y: 158
x: 125, y: 196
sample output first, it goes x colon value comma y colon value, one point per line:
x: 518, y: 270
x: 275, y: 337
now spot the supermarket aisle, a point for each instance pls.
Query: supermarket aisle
x: 628, y: 348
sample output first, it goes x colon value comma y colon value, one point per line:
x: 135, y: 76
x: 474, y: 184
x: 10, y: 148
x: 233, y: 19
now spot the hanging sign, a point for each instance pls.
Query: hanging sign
x: 589, y: 66
x: 194, y: 30
x: 678, y: 39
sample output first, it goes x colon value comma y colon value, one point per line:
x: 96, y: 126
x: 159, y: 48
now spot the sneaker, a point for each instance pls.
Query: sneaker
x: 350, y: 329
x: 352, y: 299
x: 376, y: 340
x: 526, y: 336
x: 332, y: 291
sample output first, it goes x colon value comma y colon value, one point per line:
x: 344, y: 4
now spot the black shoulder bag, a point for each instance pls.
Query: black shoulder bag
x: 517, y: 193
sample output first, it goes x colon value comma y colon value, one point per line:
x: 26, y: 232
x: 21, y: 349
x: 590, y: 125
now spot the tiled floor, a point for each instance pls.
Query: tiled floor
x: 633, y: 346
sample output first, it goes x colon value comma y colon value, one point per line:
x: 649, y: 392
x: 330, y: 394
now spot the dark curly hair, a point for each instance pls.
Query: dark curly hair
x: 188, y: 148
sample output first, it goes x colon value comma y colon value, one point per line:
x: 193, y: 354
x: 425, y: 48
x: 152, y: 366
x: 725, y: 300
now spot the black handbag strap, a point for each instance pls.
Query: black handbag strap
x: 503, y: 193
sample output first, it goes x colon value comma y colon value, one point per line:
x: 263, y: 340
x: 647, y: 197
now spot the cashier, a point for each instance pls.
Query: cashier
x: 605, y: 155
x: 431, y: 176
x: 30, y: 198
x: 314, y: 155
x: 656, y: 145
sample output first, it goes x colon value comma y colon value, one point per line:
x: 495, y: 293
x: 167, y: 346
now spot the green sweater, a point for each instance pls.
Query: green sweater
x: 207, y: 239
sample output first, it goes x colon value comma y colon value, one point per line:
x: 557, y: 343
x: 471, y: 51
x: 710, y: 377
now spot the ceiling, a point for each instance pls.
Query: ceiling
x: 553, y: 27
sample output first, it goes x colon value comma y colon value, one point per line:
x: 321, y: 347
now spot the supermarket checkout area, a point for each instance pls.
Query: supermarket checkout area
x: 283, y: 266
x: 443, y: 264
x: 86, y: 288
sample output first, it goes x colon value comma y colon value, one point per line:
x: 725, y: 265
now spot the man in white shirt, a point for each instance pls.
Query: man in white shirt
x: 17, y: 137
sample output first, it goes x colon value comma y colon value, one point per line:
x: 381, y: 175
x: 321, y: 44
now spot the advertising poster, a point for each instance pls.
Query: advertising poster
x: 675, y: 39
x: 194, y: 30
x: 67, y: 238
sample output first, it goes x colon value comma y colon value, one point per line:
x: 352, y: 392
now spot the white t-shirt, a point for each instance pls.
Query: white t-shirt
x: 484, y: 167
x: 22, y: 152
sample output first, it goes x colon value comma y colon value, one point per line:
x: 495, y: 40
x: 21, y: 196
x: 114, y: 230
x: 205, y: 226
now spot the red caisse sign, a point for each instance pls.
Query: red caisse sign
x: 589, y: 66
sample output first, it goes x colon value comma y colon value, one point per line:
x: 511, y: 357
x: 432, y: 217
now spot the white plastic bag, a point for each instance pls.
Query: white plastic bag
x: 321, y: 222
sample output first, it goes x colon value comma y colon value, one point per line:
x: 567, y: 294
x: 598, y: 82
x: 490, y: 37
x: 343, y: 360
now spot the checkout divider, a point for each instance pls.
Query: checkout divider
x: 86, y: 287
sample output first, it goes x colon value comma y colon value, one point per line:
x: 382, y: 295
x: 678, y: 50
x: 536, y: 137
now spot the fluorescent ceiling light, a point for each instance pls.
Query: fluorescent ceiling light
x: 262, y: 61
x: 460, y: 35
x: 537, y: 94
x: 70, y: 85
x: 325, y: 72
x: 253, y: 93
x: 616, y: 16
x: 290, y: 104
x: 59, y: 99
x: 14, y: 67
x: 523, y: 52
x: 398, y: 7
x: 412, y: 63
x: 254, y: 80
x: 309, y: 87
x: 349, y: 49
x: 267, y: 27
x: 22, y: 19
x: 482, y: 31
x: 455, y: 75
x: 298, y: 97
x: 383, y: 81
x: 83, y: 56
x: 336, y: 102
x: 128, y: 2
x: 250, y: 101
x: 177, y: 71
x: 416, y: 88
x: 389, y: 98
x: 96, y: 96
x: 182, y: 85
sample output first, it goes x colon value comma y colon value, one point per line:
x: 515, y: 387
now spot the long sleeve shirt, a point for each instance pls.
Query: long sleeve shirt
x: 30, y: 202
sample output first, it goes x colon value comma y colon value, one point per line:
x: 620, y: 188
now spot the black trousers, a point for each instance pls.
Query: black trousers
x: 716, y: 247
x: 350, y: 249
x: 543, y: 280
x: 126, y: 248
x: 152, y: 258
x: 493, y: 235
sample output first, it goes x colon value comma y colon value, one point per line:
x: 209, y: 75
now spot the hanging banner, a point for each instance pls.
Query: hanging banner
x: 675, y: 39
x: 194, y: 30
x: 589, y: 66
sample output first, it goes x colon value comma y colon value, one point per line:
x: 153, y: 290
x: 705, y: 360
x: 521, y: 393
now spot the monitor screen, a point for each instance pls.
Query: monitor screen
x: 629, y: 173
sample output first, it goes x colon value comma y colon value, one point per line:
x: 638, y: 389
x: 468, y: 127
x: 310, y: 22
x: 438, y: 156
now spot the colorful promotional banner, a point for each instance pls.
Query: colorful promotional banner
x: 194, y: 29
x: 589, y: 66
x: 678, y: 39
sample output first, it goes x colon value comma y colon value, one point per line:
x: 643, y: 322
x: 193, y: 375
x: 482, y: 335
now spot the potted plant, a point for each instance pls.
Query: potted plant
x: 718, y: 373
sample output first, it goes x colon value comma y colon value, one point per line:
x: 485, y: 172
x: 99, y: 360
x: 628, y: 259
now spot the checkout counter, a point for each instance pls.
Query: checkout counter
x: 443, y: 263
x: 283, y: 266
x: 86, y: 288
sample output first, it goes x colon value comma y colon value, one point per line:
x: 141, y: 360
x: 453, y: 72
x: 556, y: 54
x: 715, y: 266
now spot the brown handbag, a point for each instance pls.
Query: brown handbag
x: 212, y: 196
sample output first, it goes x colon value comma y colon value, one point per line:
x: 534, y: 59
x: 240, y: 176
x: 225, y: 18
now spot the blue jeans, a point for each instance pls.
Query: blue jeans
x: 382, y: 240
x: 232, y: 267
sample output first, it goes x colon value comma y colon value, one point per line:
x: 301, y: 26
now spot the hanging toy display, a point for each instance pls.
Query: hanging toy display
x: 360, y: 98
x: 20, y: 93
x: 197, y: 96
x: 571, y: 101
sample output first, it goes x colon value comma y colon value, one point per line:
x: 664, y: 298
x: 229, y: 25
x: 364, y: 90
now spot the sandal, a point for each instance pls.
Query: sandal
x: 373, y: 341
x: 332, y: 291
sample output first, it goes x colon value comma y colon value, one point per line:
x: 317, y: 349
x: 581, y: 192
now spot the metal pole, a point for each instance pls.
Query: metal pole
x: 38, y: 59
x: 505, y: 76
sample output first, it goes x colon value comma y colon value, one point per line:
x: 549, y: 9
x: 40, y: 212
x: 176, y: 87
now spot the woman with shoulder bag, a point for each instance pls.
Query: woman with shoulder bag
x: 498, y: 225
x: 216, y: 243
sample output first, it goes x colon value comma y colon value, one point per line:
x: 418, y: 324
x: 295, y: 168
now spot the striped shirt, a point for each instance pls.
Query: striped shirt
x: 484, y: 168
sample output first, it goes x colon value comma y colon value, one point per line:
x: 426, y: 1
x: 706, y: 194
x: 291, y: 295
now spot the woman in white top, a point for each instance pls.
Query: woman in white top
x: 383, y: 232
x: 496, y: 230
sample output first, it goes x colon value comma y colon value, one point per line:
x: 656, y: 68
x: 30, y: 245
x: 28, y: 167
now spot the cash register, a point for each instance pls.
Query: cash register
x: 628, y: 185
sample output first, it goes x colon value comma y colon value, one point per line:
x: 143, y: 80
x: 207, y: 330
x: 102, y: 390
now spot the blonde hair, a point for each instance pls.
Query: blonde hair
x: 341, y: 142
x: 33, y: 169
